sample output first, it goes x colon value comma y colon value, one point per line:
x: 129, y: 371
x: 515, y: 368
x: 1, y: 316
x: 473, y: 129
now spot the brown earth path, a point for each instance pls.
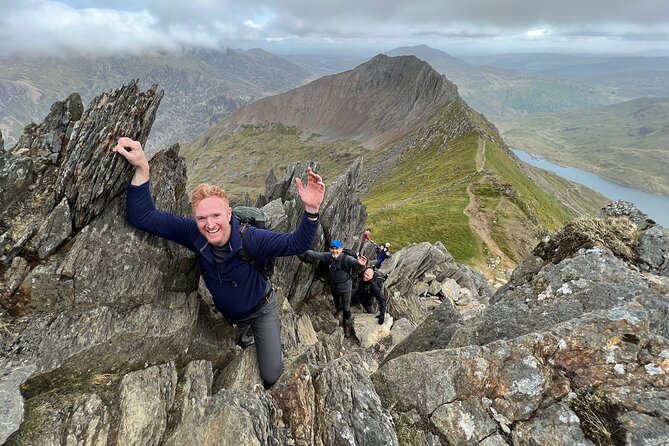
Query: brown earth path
x: 480, y: 222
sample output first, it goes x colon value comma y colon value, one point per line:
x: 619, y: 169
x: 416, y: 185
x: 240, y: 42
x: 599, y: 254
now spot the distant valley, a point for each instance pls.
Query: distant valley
x: 201, y: 87
x: 608, y: 115
x: 627, y: 143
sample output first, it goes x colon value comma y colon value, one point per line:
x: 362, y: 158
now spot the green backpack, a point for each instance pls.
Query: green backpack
x: 252, y: 216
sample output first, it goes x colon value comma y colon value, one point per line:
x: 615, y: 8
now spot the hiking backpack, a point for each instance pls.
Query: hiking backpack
x: 349, y: 252
x: 253, y: 216
x: 248, y: 217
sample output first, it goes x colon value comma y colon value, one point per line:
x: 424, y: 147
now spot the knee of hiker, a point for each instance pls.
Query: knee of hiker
x: 270, y: 375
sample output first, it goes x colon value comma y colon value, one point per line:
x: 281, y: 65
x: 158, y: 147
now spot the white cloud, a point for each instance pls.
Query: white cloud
x: 253, y: 25
x: 128, y: 26
x: 538, y: 34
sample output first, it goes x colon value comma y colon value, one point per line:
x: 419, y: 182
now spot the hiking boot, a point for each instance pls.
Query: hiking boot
x: 338, y: 313
x: 247, y: 337
x: 349, y: 332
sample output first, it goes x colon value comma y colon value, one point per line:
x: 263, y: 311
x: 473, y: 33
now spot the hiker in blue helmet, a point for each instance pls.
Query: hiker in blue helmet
x: 240, y: 292
x: 341, y: 269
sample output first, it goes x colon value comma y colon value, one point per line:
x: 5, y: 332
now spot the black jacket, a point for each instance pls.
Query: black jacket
x: 340, y: 270
x: 372, y: 289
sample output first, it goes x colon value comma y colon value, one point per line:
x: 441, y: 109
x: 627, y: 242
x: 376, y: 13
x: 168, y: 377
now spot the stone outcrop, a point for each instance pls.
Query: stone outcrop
x: 652, y: 246
x: 554, y: 359
x: 107, y: 335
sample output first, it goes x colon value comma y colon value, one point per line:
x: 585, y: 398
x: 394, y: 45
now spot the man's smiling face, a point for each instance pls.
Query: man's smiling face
x: 213, y: 215
x: 336, y: 252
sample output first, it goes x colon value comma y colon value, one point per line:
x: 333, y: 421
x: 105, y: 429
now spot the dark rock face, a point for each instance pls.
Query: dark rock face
x: 67, y: 156
x: 94, y: 305
x: 28, y: 170
x: 107, y: 335
x: 84, y: 177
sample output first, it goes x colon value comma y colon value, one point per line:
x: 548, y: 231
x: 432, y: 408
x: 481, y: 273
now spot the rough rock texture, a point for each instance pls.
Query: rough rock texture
x: 69, y: 156
x: 421, y: 276
x: 434, y: 333
x: 348, y: 410
x: 520, y: 379
x: 566, y: 277
x: 107, y: 335
x: 554, y: 359
x: 652, y: 247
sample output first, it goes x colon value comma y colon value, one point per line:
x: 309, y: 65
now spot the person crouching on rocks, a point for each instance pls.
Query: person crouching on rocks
x: 341, y: 269
x: 370, y: 288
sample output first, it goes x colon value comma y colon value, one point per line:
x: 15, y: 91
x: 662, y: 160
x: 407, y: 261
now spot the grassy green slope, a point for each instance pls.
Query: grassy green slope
x: 522, y: 209
x: 626, y: 143
x: 425, y: 196
x: 240, y: 161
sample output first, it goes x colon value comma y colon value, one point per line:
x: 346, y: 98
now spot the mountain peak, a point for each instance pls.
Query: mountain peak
x: 378, y: 101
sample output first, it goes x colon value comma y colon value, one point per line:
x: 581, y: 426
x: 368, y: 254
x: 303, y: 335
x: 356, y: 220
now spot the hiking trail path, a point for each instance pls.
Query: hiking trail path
x: 480, y: 222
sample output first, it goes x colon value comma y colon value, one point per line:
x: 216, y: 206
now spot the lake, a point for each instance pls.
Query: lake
x: 656, y: 206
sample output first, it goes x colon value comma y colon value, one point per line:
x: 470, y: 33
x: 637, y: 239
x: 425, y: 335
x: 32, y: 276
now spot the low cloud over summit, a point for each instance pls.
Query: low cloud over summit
x: 106, y: 27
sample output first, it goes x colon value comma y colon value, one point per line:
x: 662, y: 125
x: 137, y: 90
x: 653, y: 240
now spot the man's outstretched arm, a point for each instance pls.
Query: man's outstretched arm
x: 278, y: 244
x: 140, y: 209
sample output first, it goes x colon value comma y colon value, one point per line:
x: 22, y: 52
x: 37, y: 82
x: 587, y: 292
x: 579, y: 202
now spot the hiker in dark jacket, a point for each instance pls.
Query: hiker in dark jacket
x: 382, y: 254
x: 370, y: 288
x: 341, y: 268
x: 240, y: 291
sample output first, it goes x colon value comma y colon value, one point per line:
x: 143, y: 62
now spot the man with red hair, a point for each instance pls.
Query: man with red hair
x: 240, y: 291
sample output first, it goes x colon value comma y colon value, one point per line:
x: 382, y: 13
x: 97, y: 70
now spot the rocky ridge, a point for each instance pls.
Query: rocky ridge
x: 378, y: 102
x: 424, y: 148
x: 107, y: 337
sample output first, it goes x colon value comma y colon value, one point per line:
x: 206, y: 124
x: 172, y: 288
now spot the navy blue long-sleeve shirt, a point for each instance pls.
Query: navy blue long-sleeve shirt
x: 236, y: 286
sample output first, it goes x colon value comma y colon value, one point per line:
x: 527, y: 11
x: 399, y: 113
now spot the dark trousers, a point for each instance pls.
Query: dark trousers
x: 368, y: 305
x: 342, y: 301
x: 266, y: 328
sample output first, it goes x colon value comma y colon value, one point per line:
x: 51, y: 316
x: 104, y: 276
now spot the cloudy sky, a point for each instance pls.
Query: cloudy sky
x: 106, y: 27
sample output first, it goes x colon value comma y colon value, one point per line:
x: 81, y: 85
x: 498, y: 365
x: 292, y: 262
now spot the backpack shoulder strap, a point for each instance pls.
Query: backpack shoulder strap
x: 244, y: 254
x: 340, y: 265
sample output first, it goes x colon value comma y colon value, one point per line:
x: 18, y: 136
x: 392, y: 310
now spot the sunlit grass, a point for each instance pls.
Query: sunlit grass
x: 424, y: 197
